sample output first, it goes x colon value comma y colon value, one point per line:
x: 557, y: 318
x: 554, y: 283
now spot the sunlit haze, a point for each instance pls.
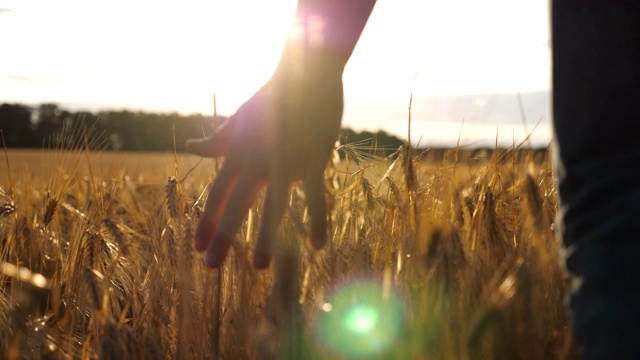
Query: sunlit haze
x: 463, y: 60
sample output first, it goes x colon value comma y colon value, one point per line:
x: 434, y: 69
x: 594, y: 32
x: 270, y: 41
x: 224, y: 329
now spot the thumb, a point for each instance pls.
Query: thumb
x: 213, y: 145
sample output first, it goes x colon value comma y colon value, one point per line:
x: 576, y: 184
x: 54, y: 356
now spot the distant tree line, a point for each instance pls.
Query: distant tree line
x: 49, y: 125
x: 379, y: 143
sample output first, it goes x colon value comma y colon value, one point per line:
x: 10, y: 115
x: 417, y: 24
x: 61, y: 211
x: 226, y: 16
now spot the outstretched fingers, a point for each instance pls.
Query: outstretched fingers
x: 316, y: 203
x: 241, y: 199
x: 274, y: 206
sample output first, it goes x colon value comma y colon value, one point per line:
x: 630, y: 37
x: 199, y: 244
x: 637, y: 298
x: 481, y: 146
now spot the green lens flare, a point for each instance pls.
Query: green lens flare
x: 361, y: 320
x: 358, y: 321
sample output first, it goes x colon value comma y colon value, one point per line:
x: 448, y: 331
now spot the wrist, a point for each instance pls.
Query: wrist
x: 298, y: 61
x: 335, y: 25
x: 325, y: 32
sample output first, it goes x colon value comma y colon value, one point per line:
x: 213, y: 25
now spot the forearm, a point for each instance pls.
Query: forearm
x: 327, y: 30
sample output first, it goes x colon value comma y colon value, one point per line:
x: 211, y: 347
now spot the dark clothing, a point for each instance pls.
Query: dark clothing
x: 596, y: 102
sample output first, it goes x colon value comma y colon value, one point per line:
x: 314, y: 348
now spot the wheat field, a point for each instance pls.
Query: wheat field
x: 430, y: 257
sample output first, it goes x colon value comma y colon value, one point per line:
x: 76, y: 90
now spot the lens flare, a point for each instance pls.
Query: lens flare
x: 359, y: 321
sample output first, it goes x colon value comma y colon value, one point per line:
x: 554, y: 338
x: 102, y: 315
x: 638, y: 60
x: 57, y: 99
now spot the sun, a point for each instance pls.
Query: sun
x: 244, y: 46
x: 144, y: 54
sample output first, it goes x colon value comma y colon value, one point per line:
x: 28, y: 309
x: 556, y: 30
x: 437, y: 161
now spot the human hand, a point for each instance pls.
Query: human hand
x: 282, y: 134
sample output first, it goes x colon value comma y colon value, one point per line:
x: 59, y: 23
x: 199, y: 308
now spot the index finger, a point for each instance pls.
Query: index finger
x: 218, y: 196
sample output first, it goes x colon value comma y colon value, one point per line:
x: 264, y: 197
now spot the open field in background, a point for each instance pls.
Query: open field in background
x: 432, y: 257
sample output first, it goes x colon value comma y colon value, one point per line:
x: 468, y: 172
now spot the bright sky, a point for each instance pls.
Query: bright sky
x: 171, y: 56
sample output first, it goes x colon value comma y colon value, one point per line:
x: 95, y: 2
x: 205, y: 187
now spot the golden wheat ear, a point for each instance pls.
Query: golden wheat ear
x: 171, y: 193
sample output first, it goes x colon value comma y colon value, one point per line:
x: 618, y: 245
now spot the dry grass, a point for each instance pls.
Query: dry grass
x: 467, y: 246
